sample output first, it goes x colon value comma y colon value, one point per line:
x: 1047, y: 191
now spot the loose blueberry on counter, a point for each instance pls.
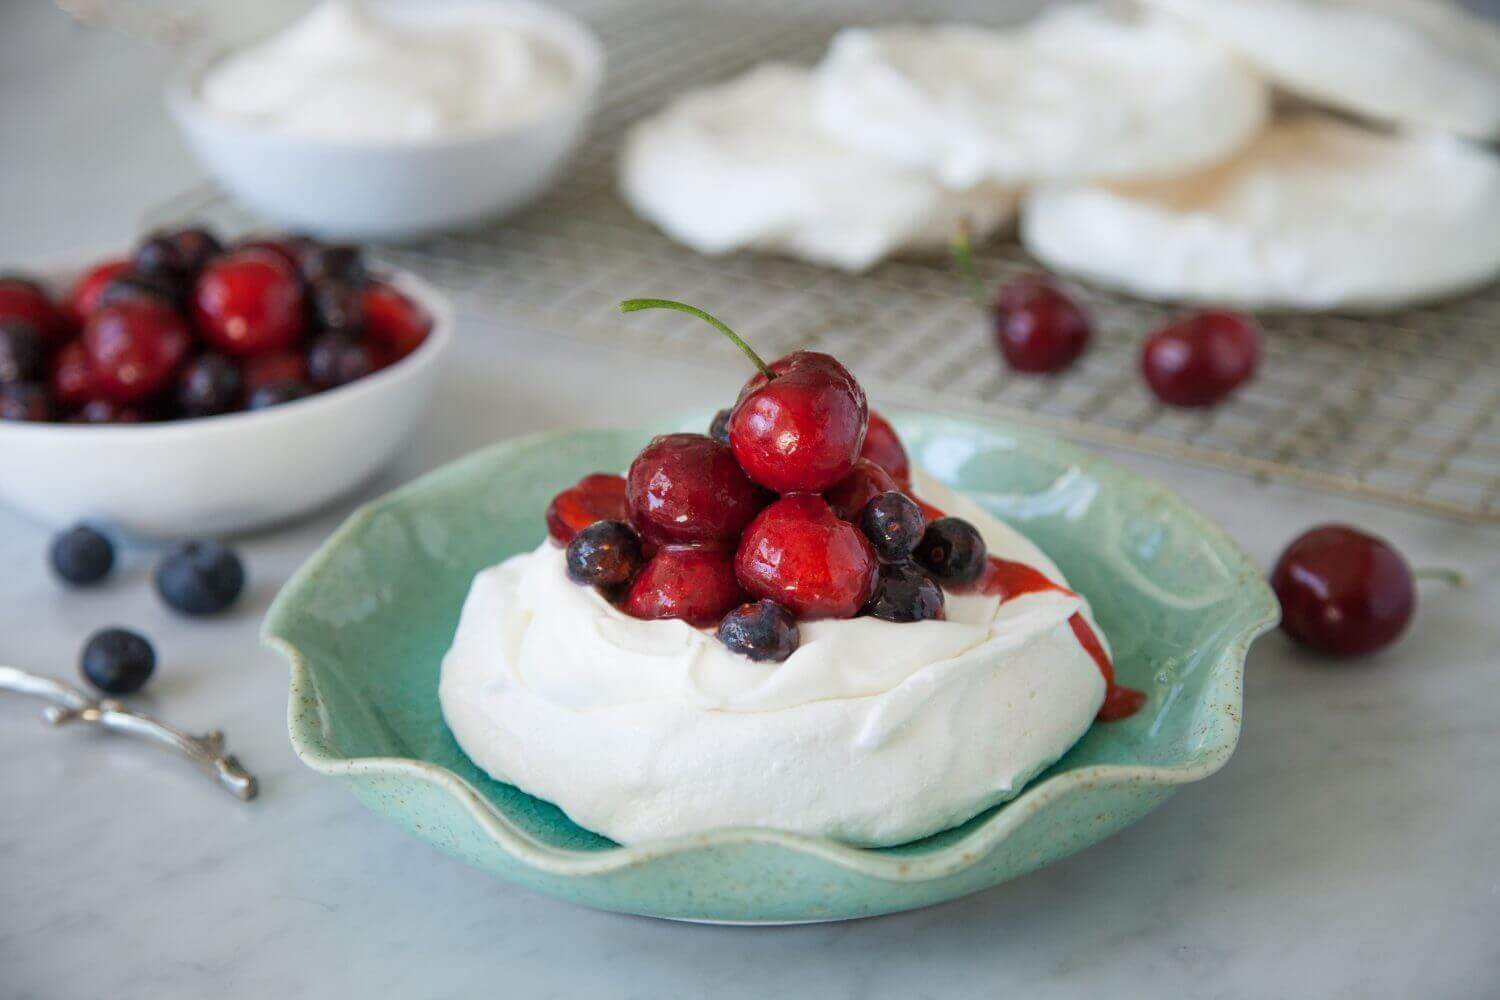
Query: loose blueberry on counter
x: 200, y: 578
x: 952, y: 550
x: 22, y: 357
x: 81, y: 555
x: 337, y: 358
x: 1343, y: 592
x: 763, y: 631
x: 25, y: 401
x: 719, y: 428
x: 210, y: 384
x: 903, y: 593
x: 606, y: 554
x: 1201, y: 359
x: 894, y: 525
x: 117, y: 661
x: 276, y: 393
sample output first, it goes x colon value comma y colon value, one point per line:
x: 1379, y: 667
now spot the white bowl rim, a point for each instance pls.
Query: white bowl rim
x: 579, y: 45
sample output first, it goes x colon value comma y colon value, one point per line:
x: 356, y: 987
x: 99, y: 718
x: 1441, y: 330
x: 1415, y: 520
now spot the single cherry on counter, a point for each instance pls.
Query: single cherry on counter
x: 1343, y: 592
x: 1039, y: 329
x: 1201, y: 359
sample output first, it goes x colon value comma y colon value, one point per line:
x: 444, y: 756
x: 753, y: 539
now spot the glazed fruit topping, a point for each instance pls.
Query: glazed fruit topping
x: 1343, y: 592
x: 864, y: 483
x: 799, y: 553
x: 606, y: 554
x: 593, y: 498
x: 764, y: 631
x: 689, y: 488
x: 952, y: 550
x: 249, y: 303
x: 903, y: 593
x: 81, y: 555
x: 884, y: 448
x: 696, y: 584
x: 1201, y: 359
x: 894, y: 524
x: 117, y: 661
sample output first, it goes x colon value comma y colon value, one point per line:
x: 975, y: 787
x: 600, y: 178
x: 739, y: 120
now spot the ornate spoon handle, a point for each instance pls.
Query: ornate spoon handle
x: 71, y: 705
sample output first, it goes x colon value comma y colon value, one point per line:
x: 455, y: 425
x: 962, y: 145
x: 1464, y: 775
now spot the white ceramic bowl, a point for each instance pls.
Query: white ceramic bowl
x: 224, y: 474
x: 398, y: 190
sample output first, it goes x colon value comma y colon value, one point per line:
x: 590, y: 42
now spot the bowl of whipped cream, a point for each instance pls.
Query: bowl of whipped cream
x: 389, y: 120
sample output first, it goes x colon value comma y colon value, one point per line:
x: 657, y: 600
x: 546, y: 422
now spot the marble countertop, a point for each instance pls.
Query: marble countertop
x: 1348, y: 850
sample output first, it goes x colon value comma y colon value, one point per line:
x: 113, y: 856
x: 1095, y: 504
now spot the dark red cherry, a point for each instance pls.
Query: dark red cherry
x: 1038, y: 327
x: 134, y: 349
x: 801, y: 431
x: 865, y: 482
x: 393, y: 320
x: 249, y: 303
x: 696, y: 584
x: 84, y: 297
x: 1200, y: 359
x: 688, y: 488
x: 335, y: 358
x: 800, y: 554
x: 884, y: 448
x: 72, y: 376
x: 25, y: 401
x: 280, y: 366
x: 24, y: 300
x: 599, y: 497
x: 1343, y: 592
x: 22, y: 356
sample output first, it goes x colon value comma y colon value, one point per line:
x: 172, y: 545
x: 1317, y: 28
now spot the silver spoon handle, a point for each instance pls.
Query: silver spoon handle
x: 71, y: 705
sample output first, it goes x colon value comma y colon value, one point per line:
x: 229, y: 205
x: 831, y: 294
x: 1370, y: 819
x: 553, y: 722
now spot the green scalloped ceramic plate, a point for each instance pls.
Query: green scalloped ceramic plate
x: 366, y: 621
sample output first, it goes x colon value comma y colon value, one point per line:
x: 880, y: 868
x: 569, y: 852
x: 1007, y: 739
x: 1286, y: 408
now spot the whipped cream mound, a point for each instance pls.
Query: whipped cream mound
x: 342, y: 73
x: 742, y: 165
x: 1414, y: 62
x: 1075, y: 94
x: 872, y: 732
x: 1316, y: 214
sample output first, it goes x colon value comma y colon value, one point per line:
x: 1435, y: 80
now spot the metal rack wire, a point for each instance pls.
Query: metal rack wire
x: 1403, y: 407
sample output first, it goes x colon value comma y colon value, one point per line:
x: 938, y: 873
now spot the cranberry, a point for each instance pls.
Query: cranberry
x: 1201, y: 359
x: 1342, y: 591
x: 249, y: 303
x: 593, y: 498
x: 952, y: 550
x: 695, y: 584
x: 1038, y: 328
x: 606, y: 554
x: 24, y: 300
x: 336, y: 358
x: 22, y: 357
x: 894, y: 525
x: 799, y: 553
x: 865, y: 482
x: 85, y: 296
x: 884, y: 448
x: 393, y: 320
x: 72, y: 375
x: 802, y: 430
x: 25, y: 401
x: 904, y: 593
x: 280, y: 366
x: 688, y: 488
x: 763, y: 631
x: 276, y: 393
x: 102, y: 411
x: 134, y: 349
x: 209, y: 384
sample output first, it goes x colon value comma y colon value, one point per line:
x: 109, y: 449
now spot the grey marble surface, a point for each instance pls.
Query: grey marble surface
x: 1348, y: 850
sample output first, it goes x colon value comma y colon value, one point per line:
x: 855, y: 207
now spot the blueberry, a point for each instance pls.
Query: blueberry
x: 118, y: 661
x: 952, y: 550
x: 25, y: 401
x: 82, y: 555
x: 342, y: 261
x: 719, y: 429
x: 894, y: 524
x: 606, y: 554
x: 763, y: 631
x: 200, y: 578
x: 337, y: 305
x: 276, y: 393
x: 175, y: 254
x: 903, y: 593
x: 21, y: 356
x: 129, y: 285
x: 195, y: 246
x: 335, y: 359
x: 208, y: 385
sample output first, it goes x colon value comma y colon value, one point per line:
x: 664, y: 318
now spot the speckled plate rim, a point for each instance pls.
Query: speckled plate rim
x: 1263, y: 613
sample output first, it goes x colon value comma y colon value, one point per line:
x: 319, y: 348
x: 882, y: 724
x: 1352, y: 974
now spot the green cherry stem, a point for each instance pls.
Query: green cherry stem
x: 1451, y: 577
x: 636, y: 305
x: 962, y: 251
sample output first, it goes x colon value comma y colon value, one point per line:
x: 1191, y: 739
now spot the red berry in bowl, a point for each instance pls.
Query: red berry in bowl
x: 338, y: 305
x: 686, y: 488
x: 25, y: 401
x: 177, y: 254
x: 72, y: 375
x: 249, y: 303
x: 1038, y: 327
x: 1201, y: 359
x: 134, y: 349
x: 393, y: 320
x: 865, y: 482
x: 24, y: 300
x: 84, y: 298
x: 885, y: 449
x: 131, y: 284
x: 331, y: 261
x: 800, y: 554
x: 695, y: 584
x: 1343, y: 592
x: 279, y: 366
x: 599, y: 497
x: 22, y: 356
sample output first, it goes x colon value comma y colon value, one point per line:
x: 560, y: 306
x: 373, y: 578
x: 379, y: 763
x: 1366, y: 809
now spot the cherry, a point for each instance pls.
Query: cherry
x: 177, y: 255
x: 249, y: 303
x: 24, y: 300
x: 392, y: 320
x: 799, y: 423
x: 593, y: 498
x: 1038, y: 327
x: 904, y: 593
x: 799, y: 553
x: 1343, y: 592
x: 606, y: 554
x: 952, y: 550
x: 336, y: 358
x: 884, y: 448
x: 134, y: 349
x: 288, y: 248
x: 894, y: 525
x: 696, y: 584
x: 22, y: 357
x: 688, y: 488
x: 209, y: 384
x: 72, y: 375
x: 280, y: 366
x: 84, y: 298
x: 865, y: 482
x: 763, y: 631
x: 1200, y: 359
x: 25, y: 401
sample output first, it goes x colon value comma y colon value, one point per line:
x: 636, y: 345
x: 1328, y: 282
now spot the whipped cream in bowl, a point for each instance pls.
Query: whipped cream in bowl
x: 871, y: 733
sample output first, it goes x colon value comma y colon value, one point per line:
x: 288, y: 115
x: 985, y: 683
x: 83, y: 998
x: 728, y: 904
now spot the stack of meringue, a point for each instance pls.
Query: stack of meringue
x: 1141, y: 147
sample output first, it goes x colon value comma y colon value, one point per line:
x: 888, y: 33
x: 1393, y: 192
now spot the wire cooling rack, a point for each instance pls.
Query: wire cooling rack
x: 1401, y: 408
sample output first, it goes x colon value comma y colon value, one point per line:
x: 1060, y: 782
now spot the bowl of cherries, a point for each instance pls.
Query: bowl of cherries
x: 192, y: 387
